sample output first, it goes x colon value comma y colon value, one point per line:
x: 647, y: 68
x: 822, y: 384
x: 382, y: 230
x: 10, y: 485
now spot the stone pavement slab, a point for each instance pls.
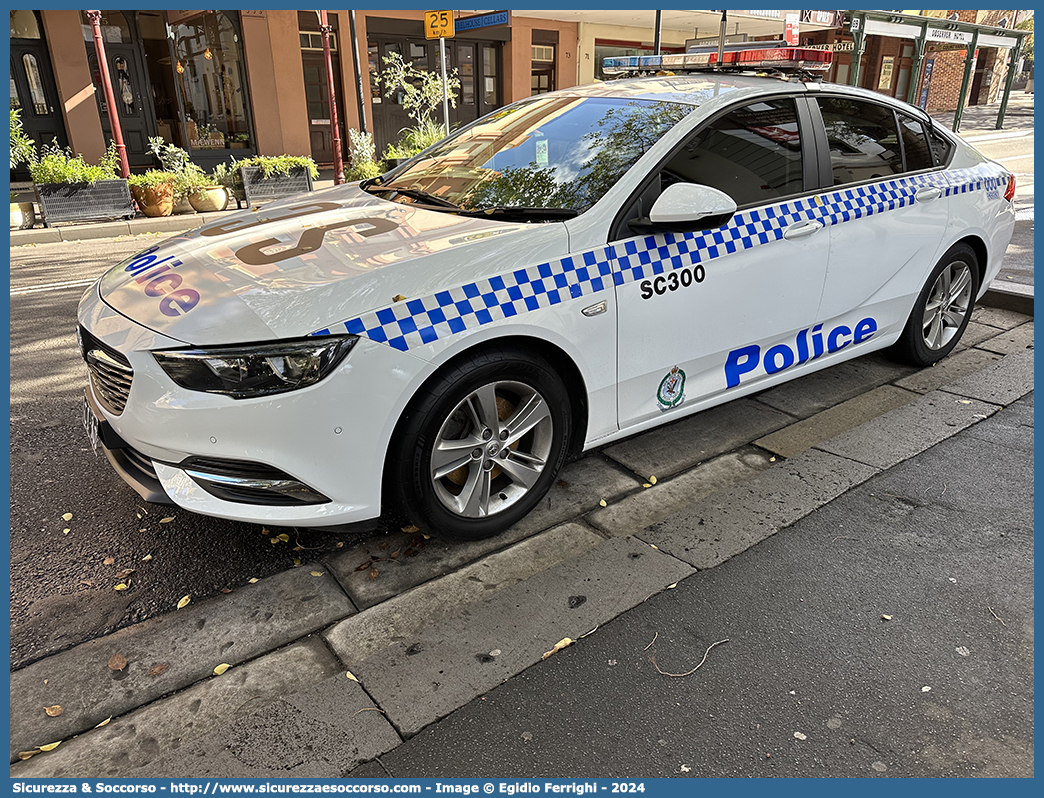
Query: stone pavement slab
x: 952, y: 367
x: 191, y: 642
x: 580, y: 486
x: 975, y: 334
x: 731, y: 521
x: 403, y: 617
x: 998, y: 317
x: 999, y: 383
x: 136, y: 739
x: 1014, y: 340
x: 667, y: 497
x: 899, y: 435
x: 420, y: 680
x: 823, y: 389
x: 665, y: 451
x: 802, y: 436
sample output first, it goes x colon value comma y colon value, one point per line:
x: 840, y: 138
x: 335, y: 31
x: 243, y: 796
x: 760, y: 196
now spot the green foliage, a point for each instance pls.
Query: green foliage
x: 421, y: 90
x: 56, y: 164
x: 415, y: 139
x: 23, y: 148
x: 1027, y: 45
x: 362, y: 171
x: 361, y: 157
x: 153, y: 178
x: 279, y: 164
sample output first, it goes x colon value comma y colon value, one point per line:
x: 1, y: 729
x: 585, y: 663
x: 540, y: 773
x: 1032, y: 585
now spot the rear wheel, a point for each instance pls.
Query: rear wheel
x: 942, y: 310
x: 482, y: 444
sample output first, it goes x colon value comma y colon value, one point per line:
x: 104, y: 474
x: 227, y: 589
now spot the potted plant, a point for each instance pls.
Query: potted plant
x: 69, y: 189
x: 420, y: 94
x: 361, y: 156
x: 175, y: 160
x: 23, y: 214
x: 23, y: 149
x: 268, y: 177
x: 154, y: 192
x: 204, y: 192
x: 229, y: 177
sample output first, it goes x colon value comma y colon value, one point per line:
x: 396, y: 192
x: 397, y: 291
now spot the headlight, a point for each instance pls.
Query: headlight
x: 258, y: 370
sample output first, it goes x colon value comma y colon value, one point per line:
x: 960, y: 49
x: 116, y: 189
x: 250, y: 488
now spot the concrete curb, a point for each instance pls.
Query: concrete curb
x: 518, y: 601
x: 88, y: 232
x: 1013, y: 296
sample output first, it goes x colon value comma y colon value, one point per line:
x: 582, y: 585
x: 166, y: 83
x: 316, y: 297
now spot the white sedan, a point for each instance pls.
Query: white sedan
x: 572, y: 269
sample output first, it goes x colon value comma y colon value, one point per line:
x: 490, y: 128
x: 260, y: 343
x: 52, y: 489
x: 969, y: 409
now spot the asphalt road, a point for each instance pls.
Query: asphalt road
x: 62, y: 584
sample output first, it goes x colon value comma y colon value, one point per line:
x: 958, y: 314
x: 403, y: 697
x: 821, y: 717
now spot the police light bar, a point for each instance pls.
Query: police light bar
x: 778, y: 59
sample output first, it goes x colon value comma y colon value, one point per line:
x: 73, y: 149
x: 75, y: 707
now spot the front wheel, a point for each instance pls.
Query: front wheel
x: 482, y: 444
x: 942, y: 310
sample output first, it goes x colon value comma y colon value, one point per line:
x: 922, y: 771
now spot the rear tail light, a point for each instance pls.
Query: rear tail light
x: 1009, y: 192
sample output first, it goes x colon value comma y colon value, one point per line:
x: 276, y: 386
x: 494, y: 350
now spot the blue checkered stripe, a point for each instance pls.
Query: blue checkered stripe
x: 415, y: 322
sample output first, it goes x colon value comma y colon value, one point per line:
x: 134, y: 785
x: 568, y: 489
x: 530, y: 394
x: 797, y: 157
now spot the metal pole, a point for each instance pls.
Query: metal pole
x: 110, y: 99
x: 920, y: 46
x: 721, y: 37
x: 656, y: 36
x: 358, y: 73
x: 445, y: 84
x: 859, y: 47
x: 324, y: 29
x: 968, y: 62
x: 1016, y: 52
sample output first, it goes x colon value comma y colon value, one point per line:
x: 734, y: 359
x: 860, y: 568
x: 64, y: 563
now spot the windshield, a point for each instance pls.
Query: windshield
x: 556, y: 152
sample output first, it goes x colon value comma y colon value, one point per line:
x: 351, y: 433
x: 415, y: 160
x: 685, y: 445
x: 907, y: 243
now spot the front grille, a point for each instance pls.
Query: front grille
x: 111, y: 373
x: 141, y: 462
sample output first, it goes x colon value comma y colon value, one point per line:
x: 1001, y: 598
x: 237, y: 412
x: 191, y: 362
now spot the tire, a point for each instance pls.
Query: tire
x: 481, y: 444
x: 942, y: 310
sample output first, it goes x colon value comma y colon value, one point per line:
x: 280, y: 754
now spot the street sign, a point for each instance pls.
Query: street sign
x: 438, y: 25
x: 792, y: 30
x: 484, y: 20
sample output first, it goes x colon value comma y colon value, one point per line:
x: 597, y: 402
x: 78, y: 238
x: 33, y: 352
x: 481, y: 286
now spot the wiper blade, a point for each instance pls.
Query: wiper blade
x: 523, y: 213
x: 417, y: 194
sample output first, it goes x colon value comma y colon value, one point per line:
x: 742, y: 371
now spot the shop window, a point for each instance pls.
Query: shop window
x: 25, y: 25
x: 210, y: 73
x: 114, y: 28
x: 753, y: 154
x: 314, y: 41
x: 489, y: 76
x: 863, y: 140
x: 36, y: 91
x: 466, y: 70
x: 915, y: 144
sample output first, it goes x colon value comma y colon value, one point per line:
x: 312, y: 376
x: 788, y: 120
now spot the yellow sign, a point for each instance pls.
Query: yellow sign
x: 438, y: 24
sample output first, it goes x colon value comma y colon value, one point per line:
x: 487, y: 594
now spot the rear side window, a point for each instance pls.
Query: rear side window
x: 863, y: 140
x: 942, y: 148
x: 915, y: 144
x: 752, y: 153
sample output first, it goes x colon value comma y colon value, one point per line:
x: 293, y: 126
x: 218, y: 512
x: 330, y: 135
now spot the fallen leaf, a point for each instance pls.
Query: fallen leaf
x: 886, y: 617
x: 964, y: 652
x: 800, y: 736
x: 156, y: 670
x: 495, y: 652
x: 565, y: 642
x: 167, y: 520
x: 772, y: 459
x: 108, y: 561
x: 297, y: 562
x: 351, y: 676
x: 685, y: 768
x: 24, y: 755
x: 646, y: 484
x: 117, y: 662
x: 926, y: 689
x: 652, y: 480
x: 138, y: 514
x: 374, y: 573
x: 50, y: 746
x: 273, y: 541
x: 563, y: 484
x: 340, y: 545
x: 654, y: 547
x: 146, y: 558
x: 124, y: 573
x: 184, y: 602
x: 299, y: 547
x: 602, y: 503
x: 104, y: 722
x: 120, y: 586
x: 265, y: 531
x: 284, y: 537
x: 67, y: 517
x: 226, y: 590
x: 964, y: 401
x: 252, y: 579
x: 66, y: 531
x: 55, y: 711
x: 671, y: 587
x: 426, y: 537
x: 317, y: 573
x: 411, y: 529
x: 366, y: 565
x: 220, y: 669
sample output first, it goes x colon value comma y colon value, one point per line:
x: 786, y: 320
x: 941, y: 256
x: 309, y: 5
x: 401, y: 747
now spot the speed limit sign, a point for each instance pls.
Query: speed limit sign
x: 438, y: 24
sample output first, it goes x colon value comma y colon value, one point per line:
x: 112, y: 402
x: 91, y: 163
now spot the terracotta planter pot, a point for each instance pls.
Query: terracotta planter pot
x: 23, y: 215
x: 209, y: 199
x: 157, y: 201
x: 184, y: 206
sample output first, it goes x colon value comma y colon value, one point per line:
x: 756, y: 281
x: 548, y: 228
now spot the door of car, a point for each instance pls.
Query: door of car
x: 887, y: 208
x: 688, y: 302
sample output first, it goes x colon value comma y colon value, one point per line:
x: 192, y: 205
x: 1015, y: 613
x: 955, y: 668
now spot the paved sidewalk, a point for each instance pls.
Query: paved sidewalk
x: 888, y: 482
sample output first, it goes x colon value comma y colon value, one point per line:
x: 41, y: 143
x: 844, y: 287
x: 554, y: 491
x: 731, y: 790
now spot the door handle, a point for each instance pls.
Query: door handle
x: 801, y: 230
x: 928, y: 194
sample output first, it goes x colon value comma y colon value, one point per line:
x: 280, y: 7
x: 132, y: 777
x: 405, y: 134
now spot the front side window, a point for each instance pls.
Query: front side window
x: 550, y: 153
x: 863, y: 140
x: 209, y: 69
x: 752, y: 153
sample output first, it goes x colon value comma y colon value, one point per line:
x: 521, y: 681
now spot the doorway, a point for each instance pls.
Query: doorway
x: 317, y: 95
x: 33, y: 90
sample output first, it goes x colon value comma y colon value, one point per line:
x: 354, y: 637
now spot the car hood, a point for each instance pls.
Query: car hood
x: 304, y: 263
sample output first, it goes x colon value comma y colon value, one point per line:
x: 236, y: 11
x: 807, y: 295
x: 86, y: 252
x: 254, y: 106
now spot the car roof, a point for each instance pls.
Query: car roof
x: 691, y: 89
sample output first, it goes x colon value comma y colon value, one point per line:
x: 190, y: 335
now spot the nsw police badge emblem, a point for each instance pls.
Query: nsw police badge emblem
x: 671, y: 392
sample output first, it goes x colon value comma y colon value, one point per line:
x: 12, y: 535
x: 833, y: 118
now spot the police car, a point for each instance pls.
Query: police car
x: 569, y: 270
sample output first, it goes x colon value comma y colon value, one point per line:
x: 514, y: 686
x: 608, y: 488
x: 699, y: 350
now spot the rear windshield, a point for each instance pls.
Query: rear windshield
x: 554, y: 152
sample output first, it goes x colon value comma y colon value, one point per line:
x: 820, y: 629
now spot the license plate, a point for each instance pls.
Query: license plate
x: 91, y: 425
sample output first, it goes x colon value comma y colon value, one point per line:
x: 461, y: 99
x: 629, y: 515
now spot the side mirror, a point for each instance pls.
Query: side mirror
x: 685, y: 208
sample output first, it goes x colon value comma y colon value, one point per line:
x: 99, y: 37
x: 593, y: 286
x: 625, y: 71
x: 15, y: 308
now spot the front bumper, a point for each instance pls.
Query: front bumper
x: 331, y: 437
